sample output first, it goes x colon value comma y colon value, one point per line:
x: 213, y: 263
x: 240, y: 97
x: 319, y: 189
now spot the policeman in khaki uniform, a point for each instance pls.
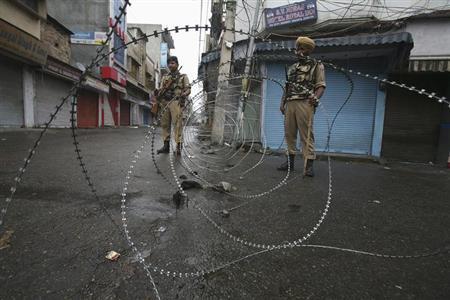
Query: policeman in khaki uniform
x: 173, y: 91
x: 305, y: 85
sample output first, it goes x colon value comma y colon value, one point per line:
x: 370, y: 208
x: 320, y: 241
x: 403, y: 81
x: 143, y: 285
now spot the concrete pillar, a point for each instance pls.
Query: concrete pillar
x: 29, y: 94
x: 378, y: 125
x: 224, y: 70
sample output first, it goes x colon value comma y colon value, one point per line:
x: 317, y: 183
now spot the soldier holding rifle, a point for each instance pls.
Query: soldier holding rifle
x: 171, y: 97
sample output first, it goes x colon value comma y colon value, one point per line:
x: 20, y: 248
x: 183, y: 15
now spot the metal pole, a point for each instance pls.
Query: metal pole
x: 200, y: 32
x: 251, y: 43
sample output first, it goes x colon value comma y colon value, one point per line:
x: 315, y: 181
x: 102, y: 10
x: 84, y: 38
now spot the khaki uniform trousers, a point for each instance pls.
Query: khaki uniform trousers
x: 171, y: 116
x: 297, y: 116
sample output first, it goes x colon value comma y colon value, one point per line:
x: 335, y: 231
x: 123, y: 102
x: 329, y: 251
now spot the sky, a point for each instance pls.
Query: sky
x: 171, y: 13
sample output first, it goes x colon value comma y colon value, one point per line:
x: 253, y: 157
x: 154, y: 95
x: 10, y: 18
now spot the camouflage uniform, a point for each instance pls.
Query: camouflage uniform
x: 173, y: 110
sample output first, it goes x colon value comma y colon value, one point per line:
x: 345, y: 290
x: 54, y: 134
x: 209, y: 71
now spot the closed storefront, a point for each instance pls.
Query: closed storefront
x: 114, y: 105
x: 11, y: 93
x: 87, y: 109
x: 138, y: 99
x: 413, y: 122
x: 354, y: 129
x: 49, y: 93
x: 146, y: 116
x: 124, y: 113
x: 136, y: 114
x: 116, y: 102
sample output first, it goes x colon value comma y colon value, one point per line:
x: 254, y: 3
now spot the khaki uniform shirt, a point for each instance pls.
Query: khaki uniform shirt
x: 178, y: 87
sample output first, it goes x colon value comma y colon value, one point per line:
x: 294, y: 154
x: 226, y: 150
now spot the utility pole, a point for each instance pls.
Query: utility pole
x: 248, y: 62
x: 251, y: 43
x: 200, y: 33
x: 224, y: 70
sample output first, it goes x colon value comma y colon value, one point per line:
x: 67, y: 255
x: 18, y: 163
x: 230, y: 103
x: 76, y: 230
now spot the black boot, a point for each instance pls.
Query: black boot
x: 309, y: 171
x: 284, y: 166
x: 165, y: 148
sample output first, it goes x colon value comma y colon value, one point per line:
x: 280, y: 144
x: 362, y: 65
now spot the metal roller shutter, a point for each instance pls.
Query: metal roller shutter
x: 124, y: 113
x: 146, y: 116
x: 49, y: 93
x: 412, y: 121
x: 87, y: 109
x: 273, y: 122
x: 353, y: 129
x: 11, y: 93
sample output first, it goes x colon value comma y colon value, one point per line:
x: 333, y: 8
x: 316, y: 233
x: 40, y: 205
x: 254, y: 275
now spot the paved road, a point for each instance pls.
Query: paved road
x: 60, y: 232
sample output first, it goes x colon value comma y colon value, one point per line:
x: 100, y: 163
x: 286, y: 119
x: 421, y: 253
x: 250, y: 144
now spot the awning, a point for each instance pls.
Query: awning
x: 429, y: 65
x: 96, y: 84
x: 354, y: 40
x: 137, y: 101
x: 210, y: 56
x: 117, y: 87
x: 134, y: 83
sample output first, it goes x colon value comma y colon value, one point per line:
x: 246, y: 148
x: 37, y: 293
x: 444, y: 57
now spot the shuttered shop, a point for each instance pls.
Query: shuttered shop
x: 49, y: 93
x: 412, y: 123
x: 11, y: 103
x: 146, y: 116
x: 124, y: 113
x: 87, y: 109
x: 353, y: 129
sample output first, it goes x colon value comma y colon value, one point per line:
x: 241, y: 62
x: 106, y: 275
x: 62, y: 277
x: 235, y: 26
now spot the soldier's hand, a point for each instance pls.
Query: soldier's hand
x: 313, y: 101
x: 181, y: 101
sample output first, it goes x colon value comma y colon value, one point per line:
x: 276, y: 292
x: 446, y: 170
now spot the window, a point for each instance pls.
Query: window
x: 119, y: 55
x: 133, y: 68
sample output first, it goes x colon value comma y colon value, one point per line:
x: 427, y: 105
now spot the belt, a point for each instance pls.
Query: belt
x: 296, y: 99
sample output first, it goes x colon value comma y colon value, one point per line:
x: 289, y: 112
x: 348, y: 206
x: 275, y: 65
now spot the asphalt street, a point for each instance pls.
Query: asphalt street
x: 56, y: 232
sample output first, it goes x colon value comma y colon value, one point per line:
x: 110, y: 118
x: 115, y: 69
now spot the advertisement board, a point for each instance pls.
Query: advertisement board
x: 295, y: 13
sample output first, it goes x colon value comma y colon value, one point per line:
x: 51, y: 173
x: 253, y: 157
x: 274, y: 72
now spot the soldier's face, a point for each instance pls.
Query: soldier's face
x: 302, y: 51
x: 173, y: 66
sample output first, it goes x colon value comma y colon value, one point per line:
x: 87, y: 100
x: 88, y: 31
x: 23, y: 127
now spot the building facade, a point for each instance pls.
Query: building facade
x: 364, y: 38
x: 138, y: 93
x: 21, y: 52
x: 157, y: 50
x: 100, y: 100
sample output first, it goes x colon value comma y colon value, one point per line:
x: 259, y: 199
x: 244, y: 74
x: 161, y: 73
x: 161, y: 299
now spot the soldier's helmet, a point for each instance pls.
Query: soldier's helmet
x: 306, y: 42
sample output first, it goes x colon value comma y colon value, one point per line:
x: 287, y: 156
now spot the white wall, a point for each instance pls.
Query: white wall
x: 431, y: 38
x: 29, y: 94
x: 153, y: 43
x: 109, y: 119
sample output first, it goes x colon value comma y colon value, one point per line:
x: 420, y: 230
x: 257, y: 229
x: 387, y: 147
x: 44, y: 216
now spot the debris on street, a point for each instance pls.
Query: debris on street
x: 112, y: 256
x: 223, y: 186
x: 5, y: 239
x: 191, y: 184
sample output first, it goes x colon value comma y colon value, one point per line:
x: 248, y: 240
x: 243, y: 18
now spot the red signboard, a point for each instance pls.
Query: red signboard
x: 114, y: 74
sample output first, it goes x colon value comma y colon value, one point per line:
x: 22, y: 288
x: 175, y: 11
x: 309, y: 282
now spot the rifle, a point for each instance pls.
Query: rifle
x: 167, y: 85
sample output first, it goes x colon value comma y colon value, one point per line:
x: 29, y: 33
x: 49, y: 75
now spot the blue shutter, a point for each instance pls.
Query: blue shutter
x: 273, y: 119
x: 354, y: 126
